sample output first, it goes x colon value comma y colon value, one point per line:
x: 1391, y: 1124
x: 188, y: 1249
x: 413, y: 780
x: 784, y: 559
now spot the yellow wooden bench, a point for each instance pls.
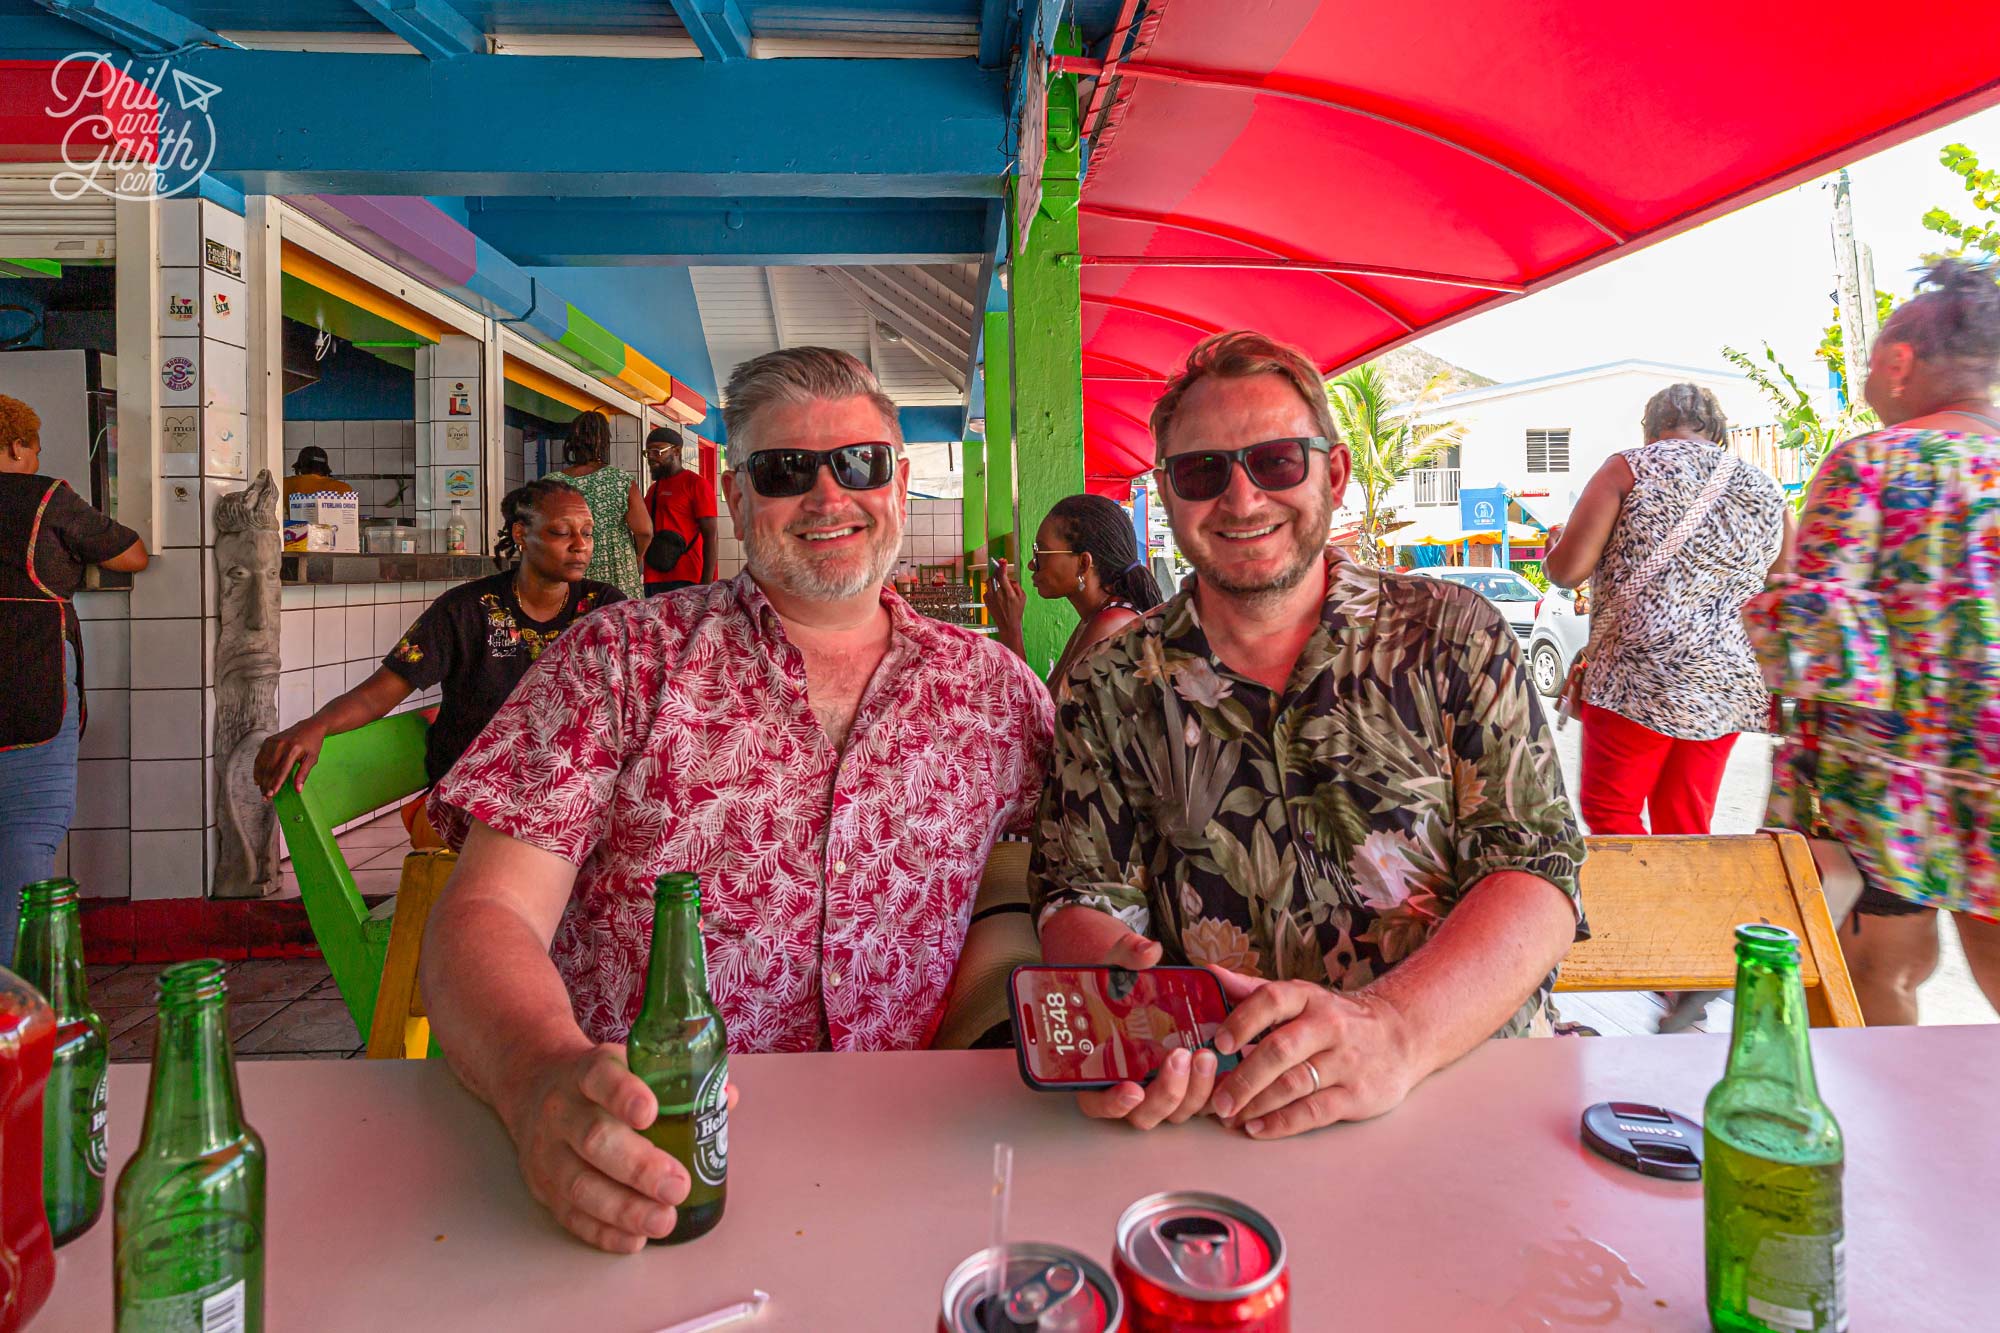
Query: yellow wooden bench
x: 1663, y: 914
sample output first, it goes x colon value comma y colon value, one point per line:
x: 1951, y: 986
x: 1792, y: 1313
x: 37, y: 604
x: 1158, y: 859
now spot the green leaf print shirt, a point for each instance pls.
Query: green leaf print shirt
x: 1322, y: 834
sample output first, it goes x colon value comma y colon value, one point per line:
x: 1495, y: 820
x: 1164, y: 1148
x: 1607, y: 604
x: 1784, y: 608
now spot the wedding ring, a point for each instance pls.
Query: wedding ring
x: 1315, y: 1075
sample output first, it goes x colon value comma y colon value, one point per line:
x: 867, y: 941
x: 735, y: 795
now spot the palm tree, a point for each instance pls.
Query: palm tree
x: 1385, y: 441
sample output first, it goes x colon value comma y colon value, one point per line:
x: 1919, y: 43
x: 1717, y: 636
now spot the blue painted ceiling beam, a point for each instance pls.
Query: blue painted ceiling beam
x: 997, y: 20
x: 432, y: 26
x: 546, y: 125
x: 628, y: 232
x: 717, y: 27
x: 139, y: 24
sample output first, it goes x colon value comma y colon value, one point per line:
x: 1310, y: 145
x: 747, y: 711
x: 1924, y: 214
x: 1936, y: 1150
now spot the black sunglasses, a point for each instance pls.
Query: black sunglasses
x: 1272, y: 465
x: 779, y: 473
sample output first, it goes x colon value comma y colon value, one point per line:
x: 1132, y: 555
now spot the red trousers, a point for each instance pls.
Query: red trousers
x: 1628, y: 768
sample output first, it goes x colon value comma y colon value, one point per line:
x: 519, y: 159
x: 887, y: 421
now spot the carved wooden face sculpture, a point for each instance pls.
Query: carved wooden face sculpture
x: 248, y: 543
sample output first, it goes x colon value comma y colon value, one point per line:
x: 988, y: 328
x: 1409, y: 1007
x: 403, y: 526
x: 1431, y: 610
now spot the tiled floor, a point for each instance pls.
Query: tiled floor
x: 279, y: 1008
x: 374, y: 853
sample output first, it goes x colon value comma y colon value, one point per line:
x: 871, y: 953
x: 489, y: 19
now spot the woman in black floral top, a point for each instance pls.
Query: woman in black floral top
x: 476, y: 641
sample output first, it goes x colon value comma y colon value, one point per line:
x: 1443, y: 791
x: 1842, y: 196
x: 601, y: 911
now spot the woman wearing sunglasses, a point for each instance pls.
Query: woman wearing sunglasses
x: 1085, y: 551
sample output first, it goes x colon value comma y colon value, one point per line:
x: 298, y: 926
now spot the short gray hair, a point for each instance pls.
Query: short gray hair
x: 1681, y: 409
x: 799, y: 375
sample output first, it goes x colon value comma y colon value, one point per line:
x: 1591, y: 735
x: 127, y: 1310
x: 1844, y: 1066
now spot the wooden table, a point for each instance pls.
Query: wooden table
x: 857, y: 1181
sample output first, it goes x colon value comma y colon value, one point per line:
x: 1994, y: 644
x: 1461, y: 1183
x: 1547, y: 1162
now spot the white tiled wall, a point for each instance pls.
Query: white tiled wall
x: 932, y: 535
x: 333, y: 636
x: 515, y: 459
x: 362, y: 454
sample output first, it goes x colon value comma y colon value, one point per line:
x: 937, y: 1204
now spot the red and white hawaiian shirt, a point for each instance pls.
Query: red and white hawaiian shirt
x: 674, y: 733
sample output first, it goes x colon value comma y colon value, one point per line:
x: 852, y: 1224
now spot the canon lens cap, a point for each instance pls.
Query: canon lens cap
x: 1648, y: 1139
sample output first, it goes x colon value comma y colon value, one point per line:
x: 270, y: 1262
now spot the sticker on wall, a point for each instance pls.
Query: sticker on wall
x: 223, y: 259
x: 457, y: 436
x: 459, y: 404
x: 180, y: 307
x: 226, y: 452
x: 220, y: 301
x: 458, y: 482
x: 177, y: 374
x: 177, y: 432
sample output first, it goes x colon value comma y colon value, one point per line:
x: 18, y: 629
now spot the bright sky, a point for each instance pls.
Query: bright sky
x: 1762, y: 273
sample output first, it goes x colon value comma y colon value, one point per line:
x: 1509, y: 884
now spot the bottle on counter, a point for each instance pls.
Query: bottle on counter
x: 27, y: 1044
x: 679, y: 1047
x: 48, y: 955
x: 1772, y: 1161
x: 189, y: 1205
x: 454, y: 532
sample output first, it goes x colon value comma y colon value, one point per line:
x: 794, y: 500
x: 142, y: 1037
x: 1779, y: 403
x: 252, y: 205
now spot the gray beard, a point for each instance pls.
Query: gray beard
x: 805, y: 579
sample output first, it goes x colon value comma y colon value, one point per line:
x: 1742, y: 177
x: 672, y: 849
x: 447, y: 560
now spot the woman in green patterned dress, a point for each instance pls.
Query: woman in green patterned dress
x: 614, y: 500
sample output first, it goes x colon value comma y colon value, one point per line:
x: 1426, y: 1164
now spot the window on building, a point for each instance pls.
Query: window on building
x: 1548, y: 450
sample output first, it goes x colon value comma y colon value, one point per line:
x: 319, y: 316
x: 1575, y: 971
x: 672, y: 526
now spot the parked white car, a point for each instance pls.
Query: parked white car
x: 1559, y: 633
x: 1515, y: 597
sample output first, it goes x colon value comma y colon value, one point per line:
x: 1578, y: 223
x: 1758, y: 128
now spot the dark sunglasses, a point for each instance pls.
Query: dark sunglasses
x: 779, y: 473
x: 1272, y: 465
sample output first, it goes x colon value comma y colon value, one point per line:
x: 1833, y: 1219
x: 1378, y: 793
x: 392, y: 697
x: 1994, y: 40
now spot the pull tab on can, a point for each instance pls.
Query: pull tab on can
x: 1200, y: 1261
x: 1046, y: 1289
x: 1201, y: 1250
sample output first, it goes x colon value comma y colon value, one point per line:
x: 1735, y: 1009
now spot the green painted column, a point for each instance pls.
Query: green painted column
x: 1048, y: 354
x: 1000, y: 541
x: 973, y: 514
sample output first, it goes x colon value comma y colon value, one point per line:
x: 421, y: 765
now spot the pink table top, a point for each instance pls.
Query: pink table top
x: 857, y: 1182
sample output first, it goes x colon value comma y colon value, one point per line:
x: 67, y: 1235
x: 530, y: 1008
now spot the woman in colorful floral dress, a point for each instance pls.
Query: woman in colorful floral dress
x: 1888, y: 635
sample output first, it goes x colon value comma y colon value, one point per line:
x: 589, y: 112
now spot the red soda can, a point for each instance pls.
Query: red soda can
x: 1046, y: 1289
x: 1194, y: 1263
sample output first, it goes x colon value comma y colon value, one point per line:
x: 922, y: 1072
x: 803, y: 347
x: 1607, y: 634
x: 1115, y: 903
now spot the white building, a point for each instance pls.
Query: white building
x: 1543, y: 438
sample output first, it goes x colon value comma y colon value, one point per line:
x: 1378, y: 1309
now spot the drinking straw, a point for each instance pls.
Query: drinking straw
x: 728, y: 1314
x: 996, y: 1272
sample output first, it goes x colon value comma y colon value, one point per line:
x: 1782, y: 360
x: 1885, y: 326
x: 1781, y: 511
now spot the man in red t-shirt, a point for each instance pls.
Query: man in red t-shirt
x: 679, y: 501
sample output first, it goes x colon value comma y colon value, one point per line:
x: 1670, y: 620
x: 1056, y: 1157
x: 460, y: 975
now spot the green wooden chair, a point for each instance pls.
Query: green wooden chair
x: 358, y: 771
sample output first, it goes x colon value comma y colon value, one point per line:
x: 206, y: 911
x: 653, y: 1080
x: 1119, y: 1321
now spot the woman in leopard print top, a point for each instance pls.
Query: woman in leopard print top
x: 1670, y: 679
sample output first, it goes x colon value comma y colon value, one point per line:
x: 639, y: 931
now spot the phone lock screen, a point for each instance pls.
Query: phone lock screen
x: 1080, y: 1027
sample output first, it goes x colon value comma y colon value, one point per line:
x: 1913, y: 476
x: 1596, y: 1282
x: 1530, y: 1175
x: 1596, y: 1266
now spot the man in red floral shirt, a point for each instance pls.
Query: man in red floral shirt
x: 834, y: 766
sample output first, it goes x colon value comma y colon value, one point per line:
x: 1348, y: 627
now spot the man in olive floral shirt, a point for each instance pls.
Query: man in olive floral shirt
x: 1332, y: 784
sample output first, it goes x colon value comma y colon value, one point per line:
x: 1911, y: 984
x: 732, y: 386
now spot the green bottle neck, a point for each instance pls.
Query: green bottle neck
x: 192, y: 1105
x: 48, y: 954
x: 1770, y: 1038
x: 677, y: 973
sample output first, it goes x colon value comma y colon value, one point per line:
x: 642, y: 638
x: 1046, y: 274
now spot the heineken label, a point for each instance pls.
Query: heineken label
x: 95, y: 1155
x: 221, y: 1307
x: 711, y: 1126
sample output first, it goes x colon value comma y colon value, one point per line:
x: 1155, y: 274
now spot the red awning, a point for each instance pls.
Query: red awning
x: 1348, y: 177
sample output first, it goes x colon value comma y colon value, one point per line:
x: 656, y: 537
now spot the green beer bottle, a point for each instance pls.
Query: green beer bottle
x: 1773, y: 1159
x: 48, y: 955
x: 678, y: 1046
x: 189, y: 1207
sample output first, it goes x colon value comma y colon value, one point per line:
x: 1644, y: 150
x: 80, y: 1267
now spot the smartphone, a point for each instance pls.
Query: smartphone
x: 1093, y: 1027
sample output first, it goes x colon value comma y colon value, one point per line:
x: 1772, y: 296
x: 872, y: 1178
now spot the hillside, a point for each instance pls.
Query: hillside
x: 1409, y: 369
